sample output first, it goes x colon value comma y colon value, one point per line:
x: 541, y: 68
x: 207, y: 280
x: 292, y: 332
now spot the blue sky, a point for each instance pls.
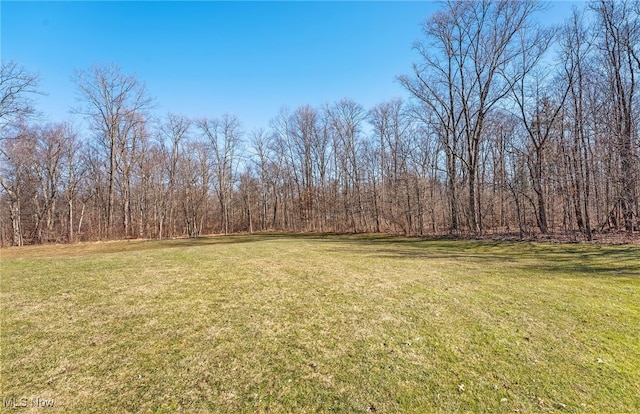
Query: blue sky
x: 208, y: 58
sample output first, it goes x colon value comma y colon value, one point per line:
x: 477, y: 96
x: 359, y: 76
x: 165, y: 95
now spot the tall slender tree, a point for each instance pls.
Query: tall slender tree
x: 113, y: 103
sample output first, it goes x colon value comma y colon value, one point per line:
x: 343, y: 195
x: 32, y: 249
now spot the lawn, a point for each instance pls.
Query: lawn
x: 275, y: 323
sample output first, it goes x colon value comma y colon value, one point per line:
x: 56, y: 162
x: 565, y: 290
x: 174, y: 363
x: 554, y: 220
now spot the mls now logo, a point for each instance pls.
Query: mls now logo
x: 13, y: 402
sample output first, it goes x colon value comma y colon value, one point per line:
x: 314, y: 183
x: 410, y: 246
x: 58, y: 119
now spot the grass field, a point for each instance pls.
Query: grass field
x: 320, y: 324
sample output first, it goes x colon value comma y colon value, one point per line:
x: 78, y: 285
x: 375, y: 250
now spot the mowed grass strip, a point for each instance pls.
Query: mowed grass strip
x: 321, y: 324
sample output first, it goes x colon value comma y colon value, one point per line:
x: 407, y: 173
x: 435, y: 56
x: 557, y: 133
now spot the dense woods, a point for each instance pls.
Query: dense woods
x: 512, y: 128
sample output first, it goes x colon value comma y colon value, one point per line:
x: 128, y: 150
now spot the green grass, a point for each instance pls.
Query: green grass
x: 348, y: 324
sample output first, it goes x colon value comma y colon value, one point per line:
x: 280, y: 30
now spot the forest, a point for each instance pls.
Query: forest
x: 512, y: 128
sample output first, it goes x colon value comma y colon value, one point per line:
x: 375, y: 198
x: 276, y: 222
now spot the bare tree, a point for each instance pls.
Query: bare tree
x: 193, y: 189
x: 16, y: 179
x: 112, y: 102
x: 262, y: 158
x: 51, y: 149
x: 17, y: 87
x: 302, y: 138
x: 469, y: 50
x: 131, y: 145
x: 539, y: 123
x: 434, y: 85
x: 224, y: 137
x: 173, y: 133
x: 347, y: 118
x: 536, y: 109
x: 619, y: 24
x: 576, y: 46
x: 391, y: 127
x: 74, y: 175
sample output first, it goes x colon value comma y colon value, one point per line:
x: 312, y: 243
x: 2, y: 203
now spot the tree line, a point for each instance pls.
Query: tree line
x: 512, y: 127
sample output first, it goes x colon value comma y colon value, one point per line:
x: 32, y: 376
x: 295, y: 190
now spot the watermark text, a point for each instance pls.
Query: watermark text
x: 24, y: 402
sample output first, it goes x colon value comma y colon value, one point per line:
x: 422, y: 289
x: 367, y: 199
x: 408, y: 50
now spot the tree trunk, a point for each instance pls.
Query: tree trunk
x: 16, y: 224
x: 70, y: 228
